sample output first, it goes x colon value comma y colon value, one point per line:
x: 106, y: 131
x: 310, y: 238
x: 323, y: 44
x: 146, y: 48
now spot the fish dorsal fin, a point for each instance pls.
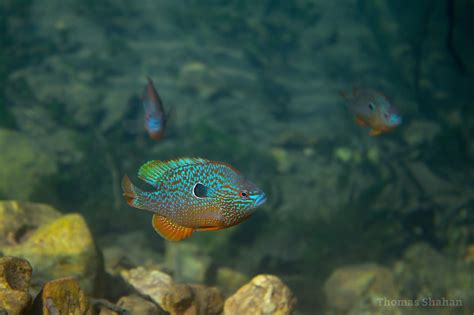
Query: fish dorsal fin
x: 169, y: 230
x: 151, y: 171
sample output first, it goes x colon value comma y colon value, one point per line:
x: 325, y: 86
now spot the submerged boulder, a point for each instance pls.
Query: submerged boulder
x: 264, y: 294
x: 18, y: 219
x: 15, y: 276
x: 62, y: 247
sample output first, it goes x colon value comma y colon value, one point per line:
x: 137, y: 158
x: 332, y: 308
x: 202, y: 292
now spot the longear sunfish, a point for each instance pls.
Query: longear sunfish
x: 155, y: 117
x: 193, y: 194
x: 372, y: 109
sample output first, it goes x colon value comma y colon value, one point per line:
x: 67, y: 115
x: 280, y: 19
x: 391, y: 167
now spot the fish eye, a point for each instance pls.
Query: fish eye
x: 244, y: 194
x: 371, y: 107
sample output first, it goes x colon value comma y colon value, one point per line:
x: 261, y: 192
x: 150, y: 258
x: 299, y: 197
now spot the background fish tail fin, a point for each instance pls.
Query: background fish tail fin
x: 134, y: 196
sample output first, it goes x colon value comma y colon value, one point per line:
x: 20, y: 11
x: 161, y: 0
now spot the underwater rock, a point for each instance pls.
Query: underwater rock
x: 420, y: 131
x: 188, y: 262
x: 138, y: 305
x: 425, y: 272
x: 15, y: 276
x: 172, y: 297
x: 229, y: 280
x: 61, y: 248
x: 23, y: 165
x: 352, y: 289
x: 62, y: 296
x: 206, y: 300
x: 18, y: 219
x: 264, y: 294
x: 135, y: 305
x: 150, y: 282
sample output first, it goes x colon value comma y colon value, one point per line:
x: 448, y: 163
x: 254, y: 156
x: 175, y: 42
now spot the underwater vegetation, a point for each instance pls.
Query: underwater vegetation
x: 348, y: 218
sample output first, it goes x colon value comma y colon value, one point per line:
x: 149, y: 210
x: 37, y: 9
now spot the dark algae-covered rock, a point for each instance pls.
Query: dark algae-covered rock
x: 62, y: 296
x: 15, y: 277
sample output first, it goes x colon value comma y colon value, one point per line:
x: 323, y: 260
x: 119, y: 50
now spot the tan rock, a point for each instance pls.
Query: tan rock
x: 174, y: 298
x: 15, y: 276
x: 264, y: 294
x: 62, y: 296
x: 150, y: 282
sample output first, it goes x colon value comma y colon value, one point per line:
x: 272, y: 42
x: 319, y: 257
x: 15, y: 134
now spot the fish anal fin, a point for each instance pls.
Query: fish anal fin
x: 375, y: 132
x: 169, y: 230
x: 210, y: 228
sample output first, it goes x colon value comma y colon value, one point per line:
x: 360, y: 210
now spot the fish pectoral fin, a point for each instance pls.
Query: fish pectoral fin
x: 169, y: 230
x: 375, y: 132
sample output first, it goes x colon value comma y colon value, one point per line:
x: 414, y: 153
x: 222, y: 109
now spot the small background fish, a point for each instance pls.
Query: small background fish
x: 193, y: 194
x: 155, y: 118
x: 372, y: 109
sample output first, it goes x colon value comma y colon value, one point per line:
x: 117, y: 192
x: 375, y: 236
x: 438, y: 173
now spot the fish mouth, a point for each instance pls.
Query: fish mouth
x: 260, y: 200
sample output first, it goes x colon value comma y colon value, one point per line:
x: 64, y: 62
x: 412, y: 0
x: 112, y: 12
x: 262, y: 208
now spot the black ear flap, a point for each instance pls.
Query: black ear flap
x: 201, y: 191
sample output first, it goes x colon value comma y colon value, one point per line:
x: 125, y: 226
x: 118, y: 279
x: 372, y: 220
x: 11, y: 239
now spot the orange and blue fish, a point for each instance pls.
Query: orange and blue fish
x: 372, y: 109
x: 193, y: 194
x: 155, y: 117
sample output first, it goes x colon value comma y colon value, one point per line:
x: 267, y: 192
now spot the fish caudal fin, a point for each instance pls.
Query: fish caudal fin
x: 170, y: 230
x: 134, y: 196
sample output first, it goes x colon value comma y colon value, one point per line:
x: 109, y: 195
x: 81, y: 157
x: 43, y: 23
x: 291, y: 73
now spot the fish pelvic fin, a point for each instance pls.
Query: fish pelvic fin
x: 134, y: 196
x: 169, y: 230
